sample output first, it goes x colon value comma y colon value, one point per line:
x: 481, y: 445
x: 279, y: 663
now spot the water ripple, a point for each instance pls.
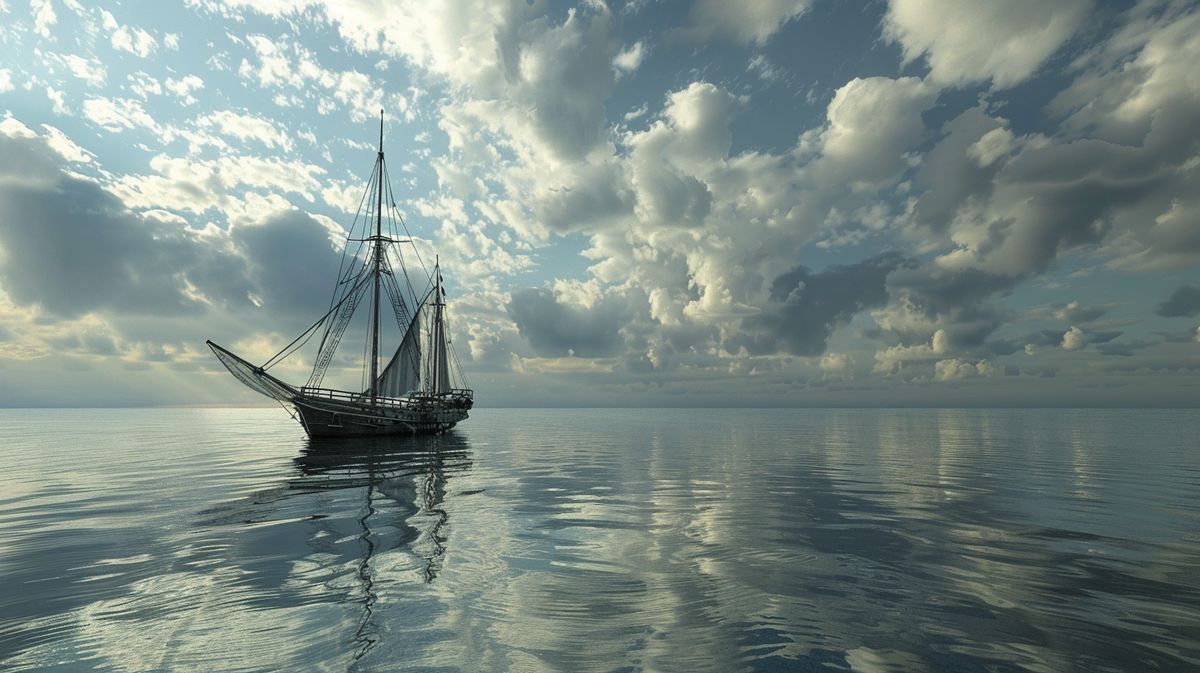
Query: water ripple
x: 603, y: 541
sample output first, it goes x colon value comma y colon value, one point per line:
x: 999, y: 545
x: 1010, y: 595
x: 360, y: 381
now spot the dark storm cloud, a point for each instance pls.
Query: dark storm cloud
x: 955, y: 301
x: 939, y: 291
x: 1079, y: 193
x: 806, y: 307
x: 555, y: 329
x: 291, y: 260
x: 949, y: 177
x: 1183, y: 302
x: 71, y: 247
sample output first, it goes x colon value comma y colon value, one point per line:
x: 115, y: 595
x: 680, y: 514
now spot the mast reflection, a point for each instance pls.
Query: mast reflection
x: 410, y: 472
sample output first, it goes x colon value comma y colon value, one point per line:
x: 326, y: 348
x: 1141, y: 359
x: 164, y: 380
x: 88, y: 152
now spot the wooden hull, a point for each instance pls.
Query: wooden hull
x: 327, y: 418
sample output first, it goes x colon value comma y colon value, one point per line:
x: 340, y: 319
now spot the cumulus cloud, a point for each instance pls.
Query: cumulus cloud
x: 977, y: 40
x: 956, y: 368
x: 836, y: 363
x: 871, y: 122
x: 692, y: 214
x: 1074, y: 339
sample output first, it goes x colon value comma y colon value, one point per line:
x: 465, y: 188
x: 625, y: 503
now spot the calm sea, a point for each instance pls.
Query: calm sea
x: 603, y: 540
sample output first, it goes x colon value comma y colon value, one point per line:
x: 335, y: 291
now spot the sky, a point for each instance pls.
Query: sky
x: 695, y: 203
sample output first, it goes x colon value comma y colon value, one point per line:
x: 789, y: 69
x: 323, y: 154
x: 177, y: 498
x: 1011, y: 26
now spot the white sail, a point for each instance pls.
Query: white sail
x: 402, y: 374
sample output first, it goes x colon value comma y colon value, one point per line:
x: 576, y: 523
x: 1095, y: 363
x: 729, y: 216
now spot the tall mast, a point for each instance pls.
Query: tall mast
x: 440, y: 374
x: 378, y: 260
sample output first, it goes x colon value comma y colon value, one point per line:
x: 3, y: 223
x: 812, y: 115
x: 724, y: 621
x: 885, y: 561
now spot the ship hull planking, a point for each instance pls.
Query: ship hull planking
x: 322, y: 418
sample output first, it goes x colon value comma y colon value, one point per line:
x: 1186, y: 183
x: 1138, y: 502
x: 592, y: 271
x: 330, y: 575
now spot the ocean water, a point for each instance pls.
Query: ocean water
x: 603, y: 540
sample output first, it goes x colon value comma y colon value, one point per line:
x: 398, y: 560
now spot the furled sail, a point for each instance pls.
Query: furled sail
x: 440, y: 367
x: 402, y: 374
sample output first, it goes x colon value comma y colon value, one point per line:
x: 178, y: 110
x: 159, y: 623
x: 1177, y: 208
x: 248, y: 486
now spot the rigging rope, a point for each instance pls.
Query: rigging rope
x: 306, y: 335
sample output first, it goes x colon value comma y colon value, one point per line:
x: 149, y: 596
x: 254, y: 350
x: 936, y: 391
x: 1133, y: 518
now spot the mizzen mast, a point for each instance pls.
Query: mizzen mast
x: 378, y: 250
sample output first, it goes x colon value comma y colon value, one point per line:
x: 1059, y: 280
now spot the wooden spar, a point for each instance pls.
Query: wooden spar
x: 378, y: 253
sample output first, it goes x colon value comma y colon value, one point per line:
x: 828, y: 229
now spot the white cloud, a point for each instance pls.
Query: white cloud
x: 872, y: 122
x: 763, y: 67
x: 457, y: 39
x: 993, y: 145
x: 957, y: 368
x: 1074, y: 339
x: 190, y: 185
x: 125, y: 38
x: 144, y: 85
x: 118, y: 114
x: 969, y: 41
x: 65, y: 147
x: 184, y: 87
x: 58, y: 101
x: 44, y: 17
x: 892, y: 360
x: 836, y: 362
x: 630, y: 59
x: 1147, y: 65
x: 5, y: 80
x: 246, y: 127
x: 287, y: 65
x: 89, y: 70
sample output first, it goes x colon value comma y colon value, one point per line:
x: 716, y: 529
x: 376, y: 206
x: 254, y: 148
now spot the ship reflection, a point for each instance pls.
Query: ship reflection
x: 410, y: 475
x: 412, y: 472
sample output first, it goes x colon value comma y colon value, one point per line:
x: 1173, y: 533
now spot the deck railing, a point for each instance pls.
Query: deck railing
x: 397, y: 402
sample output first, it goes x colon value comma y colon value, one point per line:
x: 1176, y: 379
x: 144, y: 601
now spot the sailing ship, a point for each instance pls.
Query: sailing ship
x: 421, y: 389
